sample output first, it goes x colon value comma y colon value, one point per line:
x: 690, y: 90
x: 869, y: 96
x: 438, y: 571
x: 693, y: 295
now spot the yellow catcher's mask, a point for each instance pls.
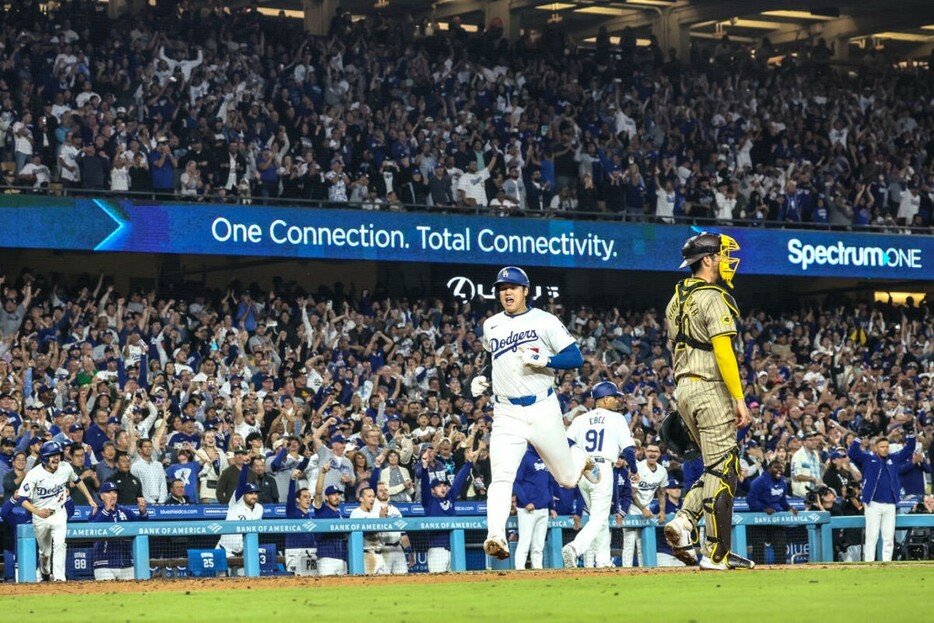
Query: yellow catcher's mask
x: 704, y: 244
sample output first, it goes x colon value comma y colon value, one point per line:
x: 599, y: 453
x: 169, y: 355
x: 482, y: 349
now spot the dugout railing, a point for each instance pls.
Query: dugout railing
x: 819, y: 526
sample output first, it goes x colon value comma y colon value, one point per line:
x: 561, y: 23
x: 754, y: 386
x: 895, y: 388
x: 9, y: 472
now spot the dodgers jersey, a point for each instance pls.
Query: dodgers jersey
x: 534, y: 329
x: 601, y: 432
x: 47, y: 489
x: 649, y: 482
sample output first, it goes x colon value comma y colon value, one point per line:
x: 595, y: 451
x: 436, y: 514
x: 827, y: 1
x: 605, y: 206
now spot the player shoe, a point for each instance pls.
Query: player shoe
x: 46, y: 577
x: 679, y: 538
x: 730, y: 561
x: 569, y: 556
x: 497, y: 548
x: 591, y: 473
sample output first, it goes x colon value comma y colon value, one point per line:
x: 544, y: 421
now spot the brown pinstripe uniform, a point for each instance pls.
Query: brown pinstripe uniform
x: 704, y: 402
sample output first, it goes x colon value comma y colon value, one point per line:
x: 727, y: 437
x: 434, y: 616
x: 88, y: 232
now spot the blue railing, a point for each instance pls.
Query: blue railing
x: 819, y: 527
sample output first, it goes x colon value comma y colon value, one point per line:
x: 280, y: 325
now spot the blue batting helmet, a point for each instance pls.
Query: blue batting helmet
x: 604, y: 389
x: 50, y: 449
x: 512, y: 274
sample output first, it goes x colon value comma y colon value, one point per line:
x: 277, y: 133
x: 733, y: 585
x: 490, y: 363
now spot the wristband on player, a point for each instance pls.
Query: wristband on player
x: 408, y: 550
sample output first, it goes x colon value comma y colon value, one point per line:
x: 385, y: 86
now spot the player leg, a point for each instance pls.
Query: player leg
x: 573, y: 550
x: 887, y: 528
x: 125, y: 574
x: 539, y: 532
x: 873, y: 523
x: 331, y: 566
x: 630, y: 537
x: 548, y: 434
x: 104, y: 574
x: 508, y: 443
x: 59, y: 549
x: 526, y: 523
x: 43, y: 529
x: 396, y: 563
x: 601, y: 548
x: 439, y: 560
x: 717, y: 438
x: 598, y: 499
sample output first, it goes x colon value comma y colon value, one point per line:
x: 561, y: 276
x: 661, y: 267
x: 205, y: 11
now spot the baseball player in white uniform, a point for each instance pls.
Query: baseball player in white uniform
x: 243, y: 506
x: 525, y: 345
x: 373, y: 561
x: 604, y: 434
x: 44, y: 492
x: 396, y: 545
x: 651, y: 482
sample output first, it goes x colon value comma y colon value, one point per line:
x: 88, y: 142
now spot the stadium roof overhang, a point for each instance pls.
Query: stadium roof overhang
x: 904, y: 27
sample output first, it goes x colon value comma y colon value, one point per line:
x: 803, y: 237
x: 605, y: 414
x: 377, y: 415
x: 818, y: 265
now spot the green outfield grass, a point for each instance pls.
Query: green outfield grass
x: 851, y: 593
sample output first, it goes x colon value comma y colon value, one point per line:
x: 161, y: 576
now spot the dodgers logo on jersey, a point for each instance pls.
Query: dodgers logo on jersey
x: 512, y: 342
x: 446, y: 505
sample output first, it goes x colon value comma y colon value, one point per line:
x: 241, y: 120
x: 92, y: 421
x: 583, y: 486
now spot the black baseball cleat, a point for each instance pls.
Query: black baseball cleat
x: 730, y: 561
x: 735, y: 561
x: 46, y: 577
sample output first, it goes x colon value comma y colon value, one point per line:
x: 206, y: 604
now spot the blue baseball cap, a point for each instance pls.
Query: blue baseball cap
x: 337, y: 439
x: 108, y: 487
x: 250, y: 488
x: 75, y: 428
x: 437, y: 481
x: 837, y: 454
x: 332, y: 490
x: 113, y: 420
x: 673, y: 483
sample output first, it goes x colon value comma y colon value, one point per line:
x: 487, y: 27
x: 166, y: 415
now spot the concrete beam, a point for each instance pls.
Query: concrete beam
x: 848, y: 27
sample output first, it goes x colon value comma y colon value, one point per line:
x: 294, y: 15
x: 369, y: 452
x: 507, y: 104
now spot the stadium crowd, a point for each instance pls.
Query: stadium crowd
x: 151, y: 392
x: 206, y: 105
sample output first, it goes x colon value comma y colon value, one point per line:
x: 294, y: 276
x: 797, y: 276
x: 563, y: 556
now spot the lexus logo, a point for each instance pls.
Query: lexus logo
x: 465, y: 289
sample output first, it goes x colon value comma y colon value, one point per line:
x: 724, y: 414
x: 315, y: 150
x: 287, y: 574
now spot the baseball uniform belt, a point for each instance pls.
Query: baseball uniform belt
x: 525, y: 401
x: 396, y: 544
x: 598, y: 459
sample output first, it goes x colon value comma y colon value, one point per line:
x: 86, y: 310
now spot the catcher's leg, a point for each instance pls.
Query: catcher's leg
x: 719, y: 489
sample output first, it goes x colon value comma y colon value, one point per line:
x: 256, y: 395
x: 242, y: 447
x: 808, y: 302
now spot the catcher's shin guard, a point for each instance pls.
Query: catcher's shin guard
x: 719, y: 491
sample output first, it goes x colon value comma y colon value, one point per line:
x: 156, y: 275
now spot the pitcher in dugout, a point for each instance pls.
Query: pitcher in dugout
x: 44, y: 492
x: 525, y: 344
x: 701, y: 320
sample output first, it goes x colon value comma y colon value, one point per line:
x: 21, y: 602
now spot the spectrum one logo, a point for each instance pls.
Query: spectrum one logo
x: 840, y: 254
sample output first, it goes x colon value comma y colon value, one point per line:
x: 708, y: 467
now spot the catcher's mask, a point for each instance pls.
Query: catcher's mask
x: 704, y: 244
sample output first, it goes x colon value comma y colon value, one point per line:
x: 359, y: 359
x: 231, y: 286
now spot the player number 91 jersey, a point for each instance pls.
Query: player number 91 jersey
x: 602, y: 433
x: 504, y: 335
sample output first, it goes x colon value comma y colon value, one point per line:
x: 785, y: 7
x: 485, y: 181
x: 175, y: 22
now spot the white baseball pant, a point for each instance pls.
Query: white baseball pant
x: 106, y: 574
x: 533, y: 528
x: 632, y: 544
x: 301, y: 561
x: 439, y: 560
x: 515, y: 427
x: 50, y: 536
x: 598, y: 499
x: 396, y: 562
x: 373, y: 562
x: 879, y: 518
x: 332, y: 566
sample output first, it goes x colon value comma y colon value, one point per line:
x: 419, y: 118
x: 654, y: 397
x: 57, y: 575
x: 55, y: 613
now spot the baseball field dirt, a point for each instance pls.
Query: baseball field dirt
x: 778, y: 593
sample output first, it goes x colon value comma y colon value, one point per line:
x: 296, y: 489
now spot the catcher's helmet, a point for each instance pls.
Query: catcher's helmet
x: 512, y: 274
x: 604, y: 389
x: 704, y: 244
x: 674, y: 432
x: 48, y: 450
